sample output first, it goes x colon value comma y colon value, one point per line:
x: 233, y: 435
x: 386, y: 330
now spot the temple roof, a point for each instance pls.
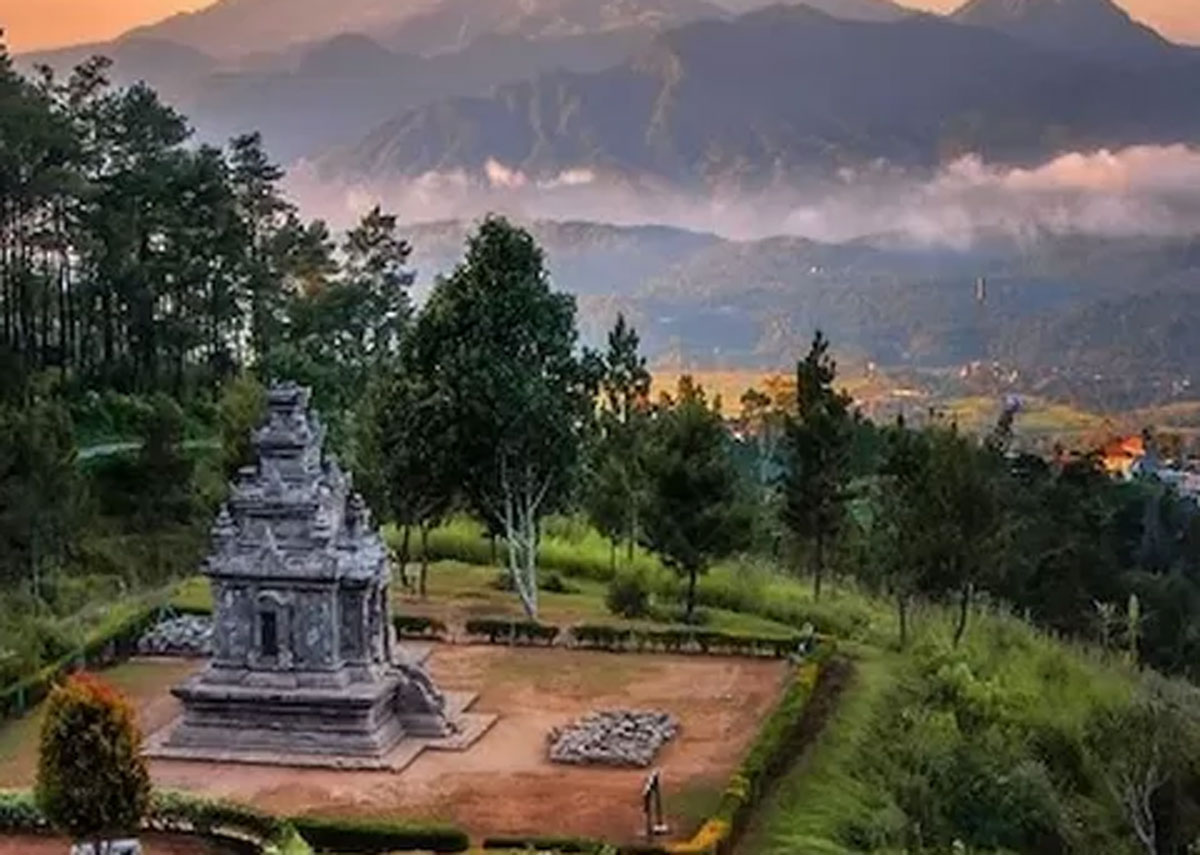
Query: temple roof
x: 294, y: 514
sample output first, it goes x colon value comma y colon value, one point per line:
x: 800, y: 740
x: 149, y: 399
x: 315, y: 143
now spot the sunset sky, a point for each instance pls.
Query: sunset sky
x: 34, y: 24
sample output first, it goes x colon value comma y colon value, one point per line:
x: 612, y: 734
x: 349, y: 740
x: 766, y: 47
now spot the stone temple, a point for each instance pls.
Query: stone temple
x: 304, y: 662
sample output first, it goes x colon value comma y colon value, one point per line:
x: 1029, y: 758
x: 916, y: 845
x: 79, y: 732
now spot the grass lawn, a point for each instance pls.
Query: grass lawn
x: 459, y: 591
x: 146, y: 683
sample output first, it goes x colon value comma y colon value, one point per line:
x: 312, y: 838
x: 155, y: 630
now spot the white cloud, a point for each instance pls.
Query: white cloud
x: 1142, y: 190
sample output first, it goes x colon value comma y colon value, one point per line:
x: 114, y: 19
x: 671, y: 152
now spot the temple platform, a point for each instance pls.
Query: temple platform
x: 471, y: 726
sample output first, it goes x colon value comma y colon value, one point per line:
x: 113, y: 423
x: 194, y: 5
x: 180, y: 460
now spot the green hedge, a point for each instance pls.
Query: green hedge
x: 180, y: 813
x: 378, y: 836
x: 773, y: 750
x: 413, y: 626
x: 512, y: 631
x: 544, y: 844
x: 686, y: 640
x: 173, y: 810
x: 108, y: 647
x: 20, y: 815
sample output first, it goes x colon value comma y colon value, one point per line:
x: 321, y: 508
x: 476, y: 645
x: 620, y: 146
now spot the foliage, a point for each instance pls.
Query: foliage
x: 415, y: 626
x: 406, y: 452
x: 371, y: 836
x: 688, y: 640
x: 501, y: 346
x: 818, y: 439
x: 241, y: 410
x: 694, y: 511
x: 628, y: 596
x: 92, y: 780
x: 511, y: 631
x: 616, y: 481
x: 41, y: 491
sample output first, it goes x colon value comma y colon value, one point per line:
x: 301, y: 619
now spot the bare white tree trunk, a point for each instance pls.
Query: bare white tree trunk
x: 521, y: 503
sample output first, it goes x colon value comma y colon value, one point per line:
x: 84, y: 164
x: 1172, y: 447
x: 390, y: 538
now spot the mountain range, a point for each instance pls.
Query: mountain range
x: 401, y: 87
x: 781, y: 94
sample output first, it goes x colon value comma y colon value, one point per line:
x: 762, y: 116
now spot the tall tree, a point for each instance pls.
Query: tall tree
x: 818, y: 438
x: 41, y: 490
x: 406, y: 455
x: 339, y: 331
x: 617, y: 478
x: 501, y: 345
x: 695, y: 509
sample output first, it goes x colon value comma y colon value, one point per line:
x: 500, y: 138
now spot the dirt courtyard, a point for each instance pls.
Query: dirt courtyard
x: 504, y: 784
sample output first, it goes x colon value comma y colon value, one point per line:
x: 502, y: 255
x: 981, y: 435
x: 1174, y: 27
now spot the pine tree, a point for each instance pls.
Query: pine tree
x: 818, y: 439
x: 695, y: 508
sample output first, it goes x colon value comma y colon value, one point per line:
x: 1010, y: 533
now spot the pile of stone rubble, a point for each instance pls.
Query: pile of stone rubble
x: 612, y: 738
x: 191, y: 635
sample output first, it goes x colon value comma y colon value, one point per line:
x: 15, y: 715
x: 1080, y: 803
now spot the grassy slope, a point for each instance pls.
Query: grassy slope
x: 805, y: 810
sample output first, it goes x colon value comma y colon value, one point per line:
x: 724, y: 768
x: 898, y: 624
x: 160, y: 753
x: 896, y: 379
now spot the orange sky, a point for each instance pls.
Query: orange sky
x: 34, y: 24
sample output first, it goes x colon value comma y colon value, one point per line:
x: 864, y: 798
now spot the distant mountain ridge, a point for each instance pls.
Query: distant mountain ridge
x: 1085, y: 27
x: 789, y: 93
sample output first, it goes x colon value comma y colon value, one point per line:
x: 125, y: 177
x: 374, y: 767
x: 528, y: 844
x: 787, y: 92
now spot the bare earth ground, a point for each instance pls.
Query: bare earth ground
x: 152, y: 844
x: 504, y: 784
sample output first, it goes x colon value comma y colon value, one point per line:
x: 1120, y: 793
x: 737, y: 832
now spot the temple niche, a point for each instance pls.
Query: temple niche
x: 304, y: 661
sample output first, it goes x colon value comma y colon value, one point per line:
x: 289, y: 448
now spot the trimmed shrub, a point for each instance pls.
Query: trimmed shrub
x: 179, y: 811
x: 378, y: 836
x: 688, y: 640
x: 92, y: 779
x: 544, y: 844
x: 416, y: 626
x: 511, y: 631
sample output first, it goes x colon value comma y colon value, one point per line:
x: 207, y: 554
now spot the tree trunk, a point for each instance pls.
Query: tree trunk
x: 633, y: 527
x: 902, y: 608
x: 964, y: 606
x: 406, y: 533
x: 691, y: 595
x: 424, y: 560
x: 818, y: 565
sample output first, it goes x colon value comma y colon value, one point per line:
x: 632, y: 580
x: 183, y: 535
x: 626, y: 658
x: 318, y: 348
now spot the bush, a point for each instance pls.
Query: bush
x: 92, y: 779
x: 377, y: 836
x: 512, y: 631
x: 170, y: 810
x: 544, y: 844
x: 19, y: 814
x: 416, y: 626
x: 688, y: 640
x: 553, y: 583
x: 628, y: 597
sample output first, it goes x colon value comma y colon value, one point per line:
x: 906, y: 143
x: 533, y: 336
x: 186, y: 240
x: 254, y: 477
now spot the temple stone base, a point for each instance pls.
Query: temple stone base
x: 258, y: 746
x: 358, y: 720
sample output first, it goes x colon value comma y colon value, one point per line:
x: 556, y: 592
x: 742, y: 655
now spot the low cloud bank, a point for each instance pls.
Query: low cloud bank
x: 1137, y: 191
